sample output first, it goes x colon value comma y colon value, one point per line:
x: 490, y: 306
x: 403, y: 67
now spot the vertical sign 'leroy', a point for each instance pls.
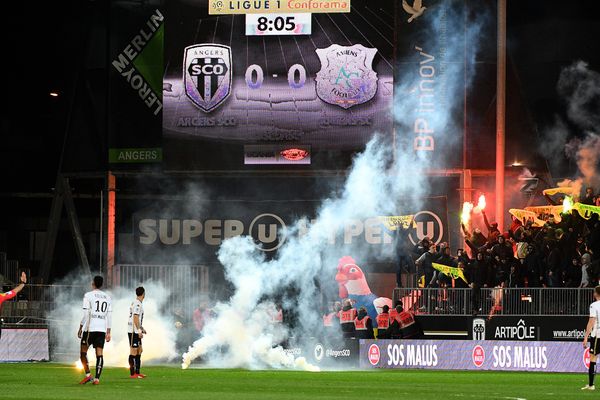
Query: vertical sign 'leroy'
x: 135, y: 101
x: 125, y: 63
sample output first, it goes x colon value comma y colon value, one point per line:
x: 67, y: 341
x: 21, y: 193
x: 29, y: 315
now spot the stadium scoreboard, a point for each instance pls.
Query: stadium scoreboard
x: 277, y: 84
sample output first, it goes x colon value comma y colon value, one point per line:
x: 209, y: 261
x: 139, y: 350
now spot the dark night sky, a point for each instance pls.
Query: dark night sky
x: 43, y: 44
x: 546, y: 36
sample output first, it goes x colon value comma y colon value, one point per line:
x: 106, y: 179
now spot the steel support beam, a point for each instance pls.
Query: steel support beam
x: 74, y: 226
x: 62, y: 196
x: 52, y: 231
x: 500, y: 114
x: 111, y: 186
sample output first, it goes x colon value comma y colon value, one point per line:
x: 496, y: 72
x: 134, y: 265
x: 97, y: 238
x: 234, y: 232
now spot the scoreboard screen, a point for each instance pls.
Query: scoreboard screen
x: 244, y: 91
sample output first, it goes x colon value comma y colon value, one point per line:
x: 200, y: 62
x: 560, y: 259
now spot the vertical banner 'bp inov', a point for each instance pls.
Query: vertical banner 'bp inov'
x: 438, y: 45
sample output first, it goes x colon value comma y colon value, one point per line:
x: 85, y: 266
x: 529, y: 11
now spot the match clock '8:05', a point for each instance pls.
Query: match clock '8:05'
x: 278, y: 24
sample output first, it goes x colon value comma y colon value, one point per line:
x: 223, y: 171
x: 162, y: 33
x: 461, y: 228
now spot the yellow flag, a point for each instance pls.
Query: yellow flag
x: 526, y: 215
x: 392, y: 222
x: 586, y: 210
x: 454, y: 272
x: 564, y: 190
x: 552, y: 210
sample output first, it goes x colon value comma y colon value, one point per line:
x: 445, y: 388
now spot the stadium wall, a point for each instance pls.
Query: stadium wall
x: 24, y: 345
x: 501, y: 327
x: 472, y: 355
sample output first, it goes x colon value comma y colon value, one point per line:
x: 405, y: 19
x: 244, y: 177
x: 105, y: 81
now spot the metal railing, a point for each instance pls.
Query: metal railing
x: 496, y: 301
x: 185, y: 283
x: 33, y: 303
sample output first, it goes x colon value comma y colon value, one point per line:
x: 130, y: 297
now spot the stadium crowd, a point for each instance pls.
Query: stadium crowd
x: 563, y: 253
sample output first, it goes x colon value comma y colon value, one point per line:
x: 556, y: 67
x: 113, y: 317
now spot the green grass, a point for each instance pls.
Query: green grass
x: 56, y: 381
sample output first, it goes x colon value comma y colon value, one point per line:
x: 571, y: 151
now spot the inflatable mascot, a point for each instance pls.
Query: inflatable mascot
x: 353, y: 285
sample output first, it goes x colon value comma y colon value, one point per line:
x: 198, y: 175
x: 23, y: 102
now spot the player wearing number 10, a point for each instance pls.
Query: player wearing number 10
x: 95, y: 327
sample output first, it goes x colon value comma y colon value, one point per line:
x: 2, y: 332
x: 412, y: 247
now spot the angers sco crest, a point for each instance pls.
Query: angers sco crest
x: 346, y: 77
x: 207, y: 75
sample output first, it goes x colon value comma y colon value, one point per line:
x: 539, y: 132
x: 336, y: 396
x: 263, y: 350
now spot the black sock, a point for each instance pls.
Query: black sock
x: 84, y: 362
x: 99, y: 365
x: 138, y: 363
x: 591, y: 373
x: 131, y: 365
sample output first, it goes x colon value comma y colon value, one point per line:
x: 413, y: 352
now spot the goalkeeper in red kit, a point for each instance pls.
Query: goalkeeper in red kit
x: 12, y: 293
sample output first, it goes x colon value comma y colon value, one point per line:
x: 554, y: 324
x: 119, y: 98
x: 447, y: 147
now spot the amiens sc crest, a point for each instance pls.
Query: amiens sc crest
x: 207, y: 75
x: 346, y: 77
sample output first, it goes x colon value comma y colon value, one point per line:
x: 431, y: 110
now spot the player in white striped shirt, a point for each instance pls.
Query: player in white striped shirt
x: 135, y: 333
x: 593, y: 331
x: 94, y: 328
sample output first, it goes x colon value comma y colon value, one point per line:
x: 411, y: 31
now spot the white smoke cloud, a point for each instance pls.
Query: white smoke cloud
x: 555, y: 138
x: 242, y: 327
x: 586, y: 153
x: 378, y: 183
x: 579, y: 87
x: 64, y: 319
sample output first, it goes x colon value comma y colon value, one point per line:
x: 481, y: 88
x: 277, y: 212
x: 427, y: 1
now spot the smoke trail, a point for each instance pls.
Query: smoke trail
x: 586, y: 154
x: 553, y: 143
x: 579, y: 88
x: 380, y: 181
x: 433, y: 77
x: 64, y: 319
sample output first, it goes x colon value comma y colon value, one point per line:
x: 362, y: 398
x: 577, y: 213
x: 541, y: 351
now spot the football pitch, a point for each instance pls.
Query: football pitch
x: 57, y: 381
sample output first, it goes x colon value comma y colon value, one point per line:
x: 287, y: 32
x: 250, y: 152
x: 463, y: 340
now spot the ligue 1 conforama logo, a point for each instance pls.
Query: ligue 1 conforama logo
x: 346, y: 77
x: 207, y: 75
